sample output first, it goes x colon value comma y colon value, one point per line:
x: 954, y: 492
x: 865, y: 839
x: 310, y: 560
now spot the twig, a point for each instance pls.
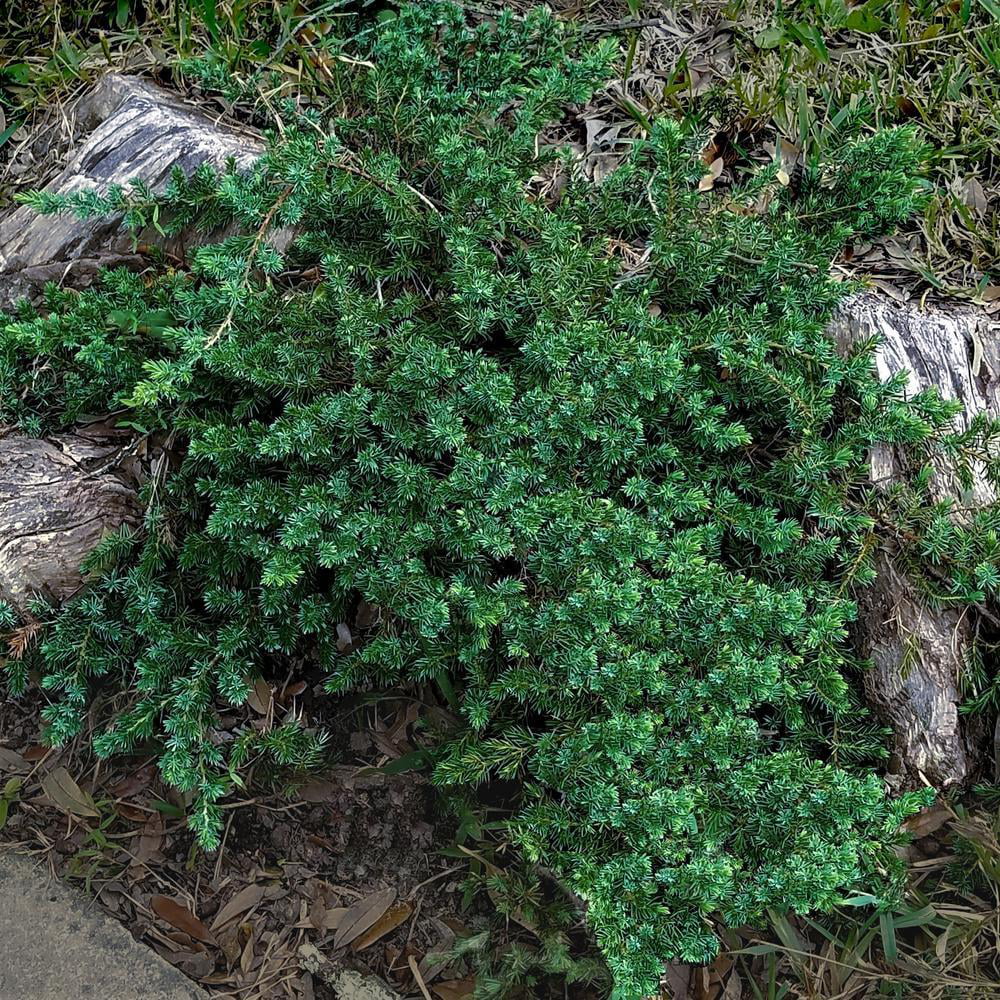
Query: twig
x: 433, y: 878
x: 358, y: 172
x: 264, y: 226
x: 417, y: 978
x: 121, y: 453
x: 222, y: 847
x: 626, y: 24
x: 753, y: 260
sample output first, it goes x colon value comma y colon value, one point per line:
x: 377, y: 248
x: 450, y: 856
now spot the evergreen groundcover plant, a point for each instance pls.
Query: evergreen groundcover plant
x: 591, y: 456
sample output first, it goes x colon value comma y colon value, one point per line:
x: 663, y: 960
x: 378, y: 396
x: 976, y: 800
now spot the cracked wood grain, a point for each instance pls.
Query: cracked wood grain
x: 60, y: 496
x: 136, y: 131
x: 917, y: 651
x: 53, y: 511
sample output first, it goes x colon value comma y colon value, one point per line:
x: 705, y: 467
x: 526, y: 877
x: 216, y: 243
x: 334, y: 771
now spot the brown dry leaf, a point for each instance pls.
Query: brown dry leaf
x: 928, y: 820
x: 194, y: 963
x: 734, y: 988
x: 455, y: 989
x: 710, y: 152
x: 291, y: 691
x: 362, y: 915
x: 367, y: 615
x: 229, y: 942
x: 703, y: 989
x: 456, y: 926
x: 720, y: 967
x: 137, y: 782
x: 246, y: 959
x: 322, y: 919
x: 333, y: 918
x: 382, y: 741
x: 991, y: 293
x: 35, y: 753
x: 438, y: 959
x: 180, y: 917
x: 317, y: 791
x: 676, y: 982
x: 315, y: 916
x: 12, y: 763
x: 246, y: 899
x: 61, y: 790
x: 132, y: 813
x: 974, y: 195
x: 788, y: 155
x: 894, y: 292
x: 389, y: 921
x: 151, y: 839
x: 259, y: 698
x: 941, y: 944
x: 344, y: 638
x: 715, y: 169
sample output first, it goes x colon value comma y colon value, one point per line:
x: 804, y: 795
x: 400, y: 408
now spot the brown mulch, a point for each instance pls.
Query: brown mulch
x: 345, y: 868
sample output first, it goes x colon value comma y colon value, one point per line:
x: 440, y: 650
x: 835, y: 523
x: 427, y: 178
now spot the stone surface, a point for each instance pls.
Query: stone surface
x: 347, y: 984
x: 57, y: 945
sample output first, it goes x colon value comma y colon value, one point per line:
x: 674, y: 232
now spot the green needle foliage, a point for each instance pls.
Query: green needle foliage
x: 592, y: 457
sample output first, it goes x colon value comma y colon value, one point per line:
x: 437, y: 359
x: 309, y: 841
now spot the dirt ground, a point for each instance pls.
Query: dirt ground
x: 343, y: 872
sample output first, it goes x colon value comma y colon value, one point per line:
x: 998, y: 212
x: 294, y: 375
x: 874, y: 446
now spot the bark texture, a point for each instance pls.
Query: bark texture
x: 917, y: 651
x: 130, y: 129
x: 58, y: 498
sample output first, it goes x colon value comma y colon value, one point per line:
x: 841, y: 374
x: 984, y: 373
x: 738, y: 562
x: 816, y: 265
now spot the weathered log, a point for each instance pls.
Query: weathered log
x: 132, y: 130
x: 58, y: 498
x: 955, y: 350
x: 917, y: 651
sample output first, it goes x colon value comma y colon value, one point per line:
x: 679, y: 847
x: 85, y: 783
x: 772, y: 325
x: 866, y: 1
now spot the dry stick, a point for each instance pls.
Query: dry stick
x: 227, y: 322
x: 413, y: 917
x: 433, y: 878
x: 358, y: 172
x: 222, y: 847
x: 627, y: 24
x: 417, y: 978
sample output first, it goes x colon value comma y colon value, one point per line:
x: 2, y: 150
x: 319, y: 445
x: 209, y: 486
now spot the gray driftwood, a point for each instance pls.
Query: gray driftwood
x: 917, y: 651
x: 130, y: 129
x: 60, y: 496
